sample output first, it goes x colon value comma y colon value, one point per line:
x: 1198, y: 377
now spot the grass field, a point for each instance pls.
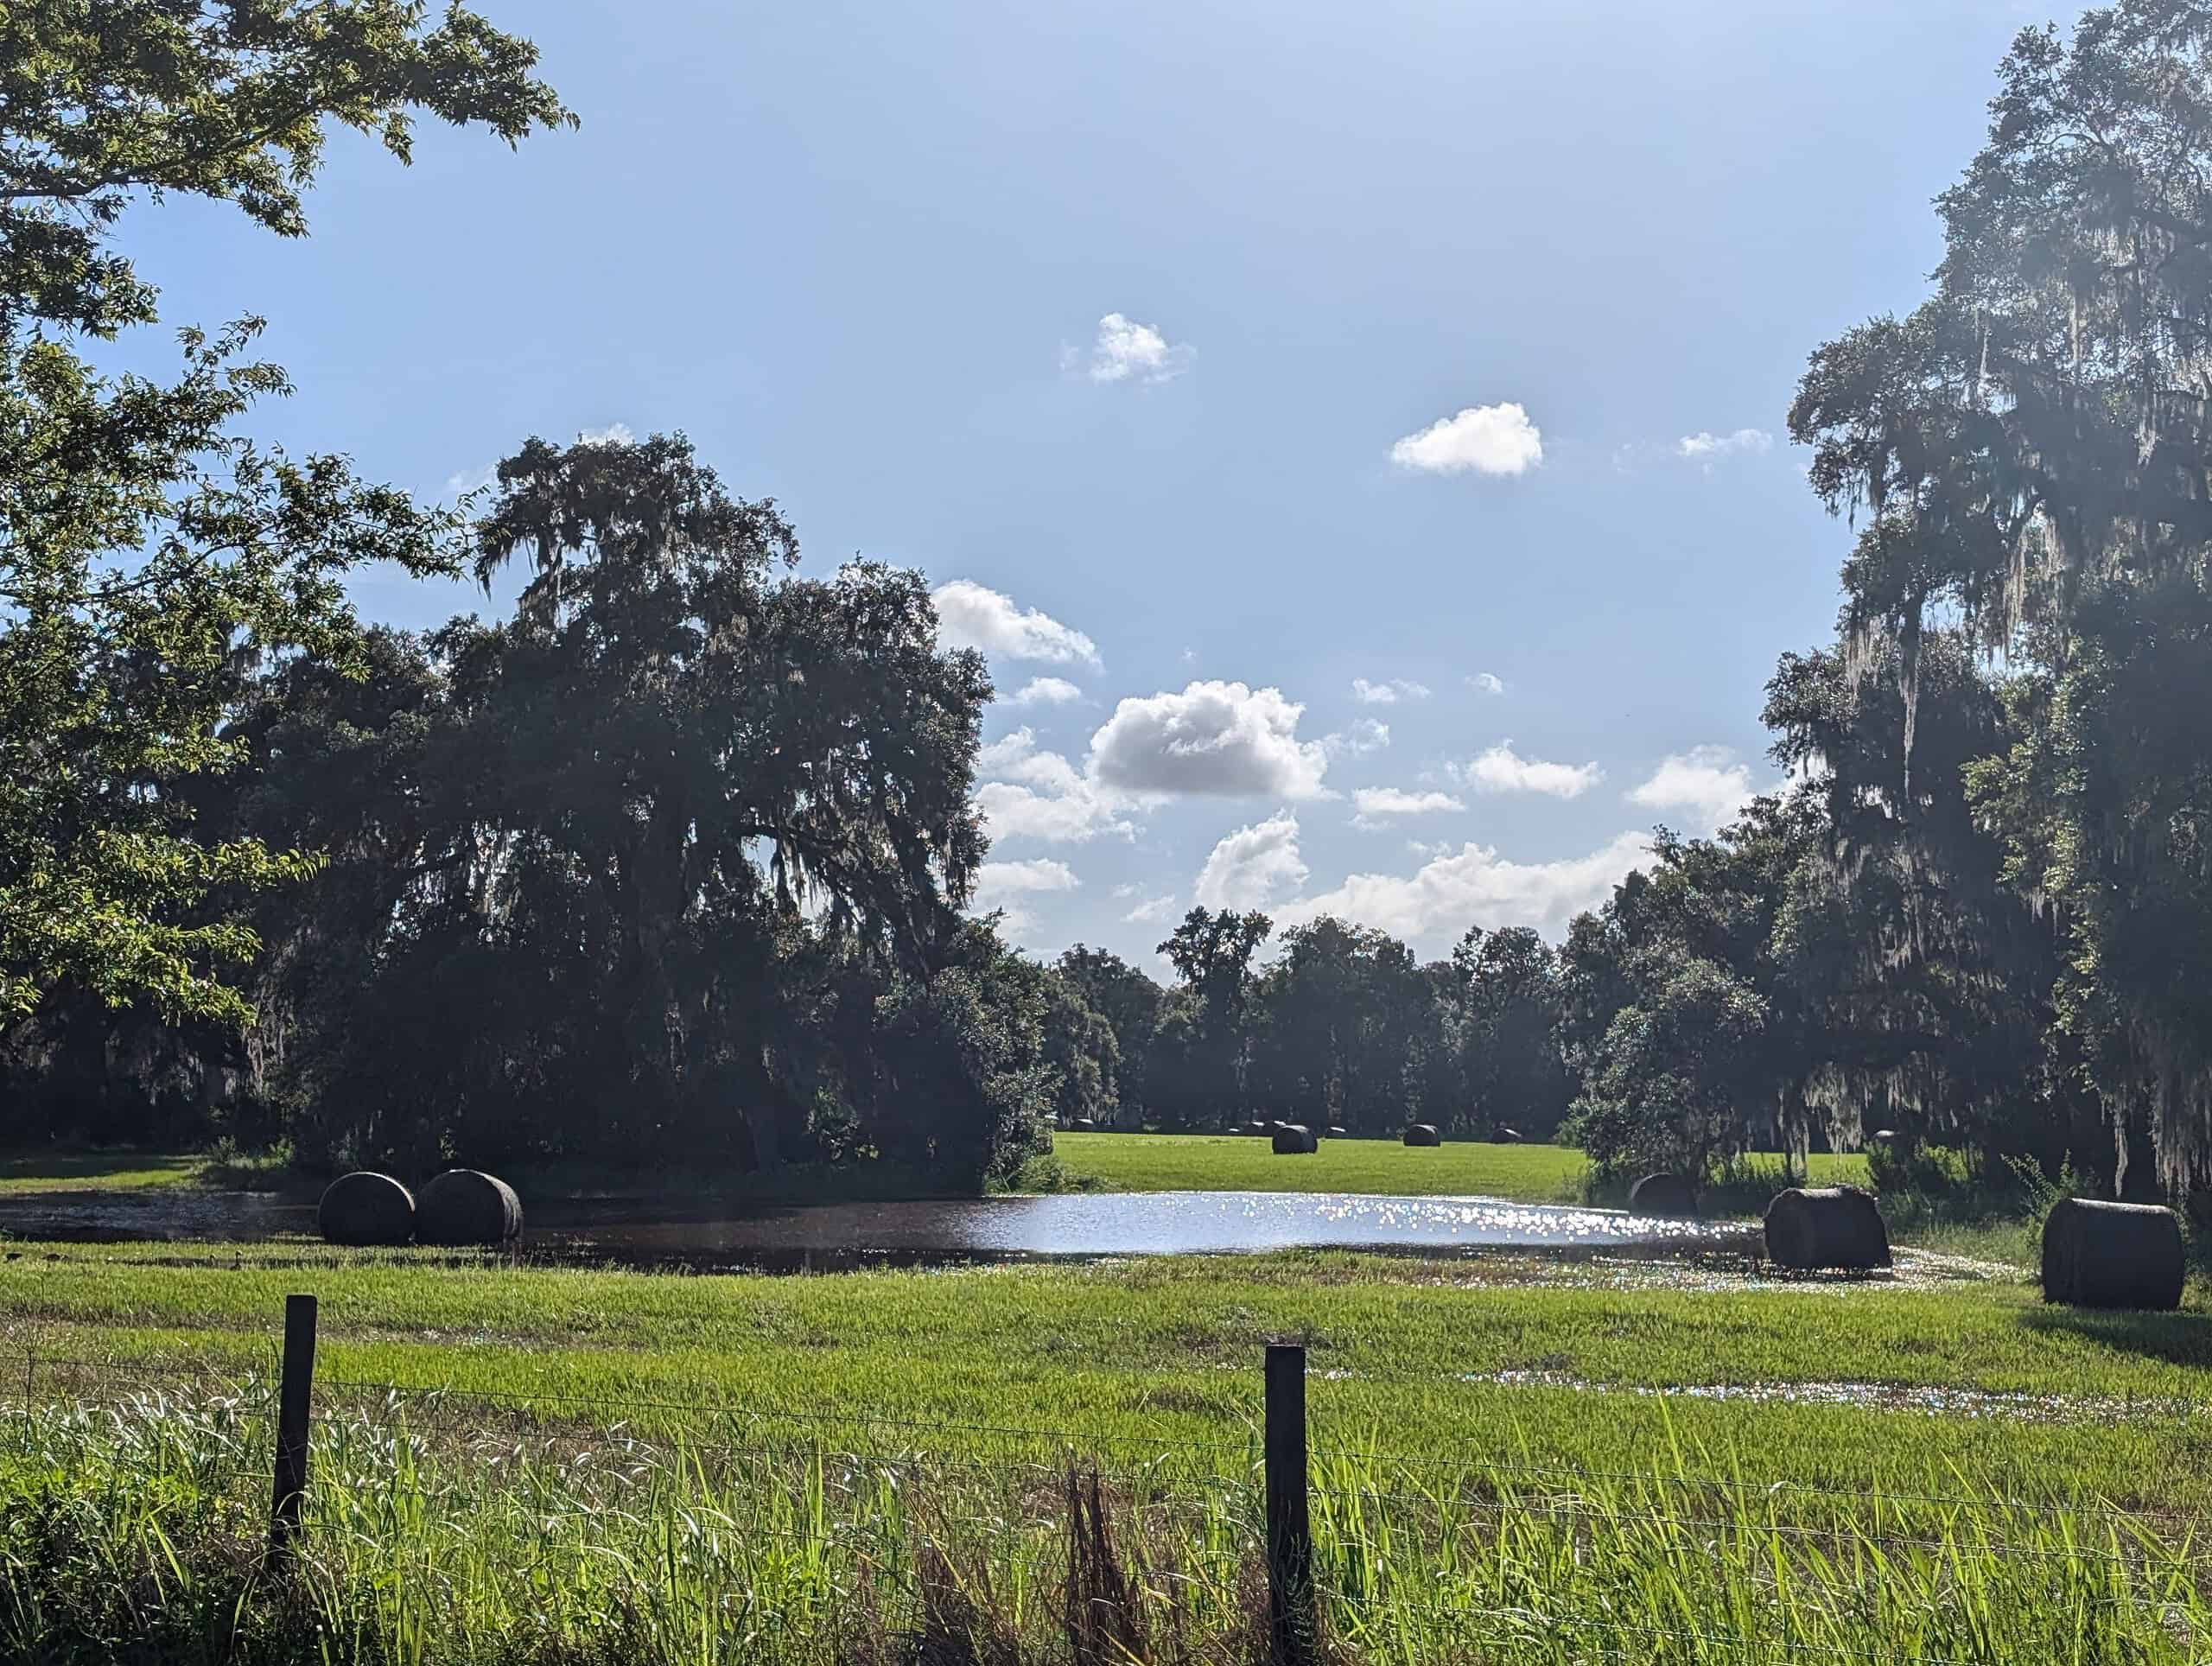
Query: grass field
x: 686, y: 1463
x: 1229, y: 1162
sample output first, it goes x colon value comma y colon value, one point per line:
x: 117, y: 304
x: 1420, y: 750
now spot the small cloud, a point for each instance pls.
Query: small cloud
x: 1502, y: 770
x: 613, y: 434
x: 1253, y: 866
x: 1387, y: 694
x: 1190, y: 656
x: 1365, y: 735
x: 1152, y: 912
x: 1047, y: 691
x: 1376, y: 806
x: 1003, y: 884
x: 1707, y: 782
x: 972, y: 615
x: 1127, y: 351
x: 1486, y: 683
x: 472, y: 480
x: 1705, y: 449
x: 1482, y: 439
x: 1212, y: 738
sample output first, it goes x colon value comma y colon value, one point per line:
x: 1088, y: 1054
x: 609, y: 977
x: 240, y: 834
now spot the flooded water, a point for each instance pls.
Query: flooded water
x: 922, y: 1231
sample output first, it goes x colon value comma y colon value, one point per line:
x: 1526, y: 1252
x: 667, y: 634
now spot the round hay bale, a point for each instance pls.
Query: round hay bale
x: 1339, y: 1134
x: 1839, y: 1226
x: 1084, y: 1125
x: 1505, y: 1136
x: 1291, y: 1140
x: 1260, y: 1128
x: 463, y: 1205
x: 1663, y: 1197
x: 2112, y: 1254
x: 363, y: 1208
x: 1423, y: 1134
x: 1884, y: 1136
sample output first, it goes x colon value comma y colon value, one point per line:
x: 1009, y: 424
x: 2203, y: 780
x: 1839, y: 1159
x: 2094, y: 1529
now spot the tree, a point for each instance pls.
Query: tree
x: 1338, y: 1022
x: 1509, y: 994
x: 1201, y: 1076
x: 2030, y: 448
x: 1130, y: 1004
x: 147, y: 549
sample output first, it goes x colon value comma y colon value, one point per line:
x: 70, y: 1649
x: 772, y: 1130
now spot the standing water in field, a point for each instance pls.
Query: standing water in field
x: 1063, y: 1225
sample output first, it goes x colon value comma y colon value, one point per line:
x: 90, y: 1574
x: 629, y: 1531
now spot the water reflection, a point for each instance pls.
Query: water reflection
x: 985, y: 1228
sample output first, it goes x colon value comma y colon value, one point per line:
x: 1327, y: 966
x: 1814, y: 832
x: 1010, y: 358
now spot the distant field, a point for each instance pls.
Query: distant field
x: 1228, y: 1162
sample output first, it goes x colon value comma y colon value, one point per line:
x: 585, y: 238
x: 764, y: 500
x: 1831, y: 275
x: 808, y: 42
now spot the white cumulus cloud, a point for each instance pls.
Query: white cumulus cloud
x: 613, y: 434
x: 1028, y: 793
x: 1387, y: 694
x: 1005, y: 885
x: 1127, y: 351
x: 972, y: 615
x: 1212, y: 738
x: 1703, y: 448
x: 1482, y: 439
x: 1154, y: 910
x: 1365, y: 735
x: 1502, y: 770
x: 1375, y: 807
x: 1047, y: 691
x: 1475, y: 886
x: 1486, y: 683
x: 1706, y: 782
x: 1253, y: 866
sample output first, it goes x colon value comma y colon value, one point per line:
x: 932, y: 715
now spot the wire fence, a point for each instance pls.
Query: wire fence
x: 1317, y: 1537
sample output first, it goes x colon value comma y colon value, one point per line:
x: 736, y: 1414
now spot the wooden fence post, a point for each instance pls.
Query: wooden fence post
x: 293, y: 1393
x: 1292, y: 1631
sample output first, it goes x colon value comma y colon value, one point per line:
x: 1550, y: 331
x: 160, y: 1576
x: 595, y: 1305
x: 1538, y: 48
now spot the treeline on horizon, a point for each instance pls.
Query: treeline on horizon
x: 670, y: 864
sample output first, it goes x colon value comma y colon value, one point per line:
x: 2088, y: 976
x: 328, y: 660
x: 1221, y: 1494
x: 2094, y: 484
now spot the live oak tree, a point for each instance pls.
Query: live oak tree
x: 149, y: 550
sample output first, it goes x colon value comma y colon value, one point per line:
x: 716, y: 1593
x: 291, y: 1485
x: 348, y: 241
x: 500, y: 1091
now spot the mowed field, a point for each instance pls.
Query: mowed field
x: 1229, y: 1162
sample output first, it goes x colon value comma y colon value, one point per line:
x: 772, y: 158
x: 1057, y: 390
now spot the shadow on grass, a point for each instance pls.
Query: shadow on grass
x: 2179, y: 1339
x: 78, y: 1164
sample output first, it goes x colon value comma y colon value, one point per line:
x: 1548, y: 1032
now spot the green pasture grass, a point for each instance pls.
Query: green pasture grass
x: 1236, y: 1162
x: 92, y: 1170
x: 1517, y: 1458
x: 1407, y: 1353
x: 136, y: 1528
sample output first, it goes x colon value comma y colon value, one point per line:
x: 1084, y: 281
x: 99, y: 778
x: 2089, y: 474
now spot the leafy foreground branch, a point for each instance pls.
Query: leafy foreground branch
x: 458, y: 1534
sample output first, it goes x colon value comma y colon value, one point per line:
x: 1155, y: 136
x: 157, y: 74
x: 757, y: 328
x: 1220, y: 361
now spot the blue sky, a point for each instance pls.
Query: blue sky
x: 1134, y: 325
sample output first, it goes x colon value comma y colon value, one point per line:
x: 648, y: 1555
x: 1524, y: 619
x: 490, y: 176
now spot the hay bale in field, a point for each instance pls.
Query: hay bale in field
x: 362, y: 1208
x: 1837, y: 1226
x: 1339, y: 1134
x: 1663, y: 1197
x: 1084, y: 1125
x: 1423, y: 1134
x: 1292, y: 1139
x: 1260, y: 1128
x: 1884, y: 1136
x: 464, y: 1205
x: 2112, y: 1254
x: 1505, y: 1136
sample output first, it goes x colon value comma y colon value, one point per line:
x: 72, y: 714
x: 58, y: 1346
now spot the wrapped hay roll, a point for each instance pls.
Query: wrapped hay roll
x: 1258, y: 1129
x: 1837, y: 1226
x: 362, y: 1209
x: 464, y: 1207
x: 1663, y: 1197
x: 1291, y: 1140
x: 1423, y: 1134
x: 1084, y: 1125
x: 1339, y: 1134
x: 2112, y: 1254
x: 1505, y: 1136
